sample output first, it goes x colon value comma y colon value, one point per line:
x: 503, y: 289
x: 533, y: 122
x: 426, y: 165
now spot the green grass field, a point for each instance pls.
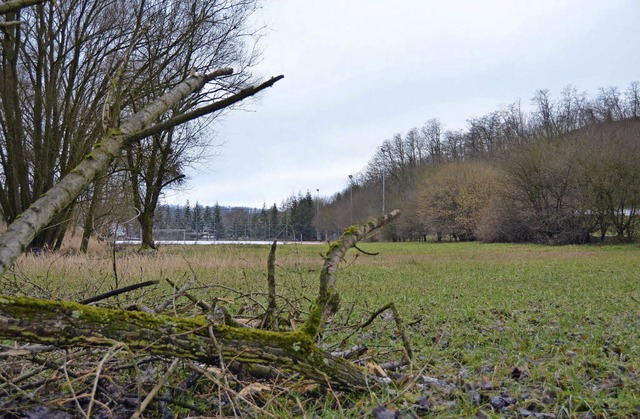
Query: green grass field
x: 497, y: 329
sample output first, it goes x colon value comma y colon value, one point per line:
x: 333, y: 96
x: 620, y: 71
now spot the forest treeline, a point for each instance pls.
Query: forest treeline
x: 565, y: 172
x: 295, y: 219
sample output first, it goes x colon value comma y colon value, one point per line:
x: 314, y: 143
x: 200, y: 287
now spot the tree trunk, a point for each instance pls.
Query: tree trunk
x: 88, y: 225
x: 146, y: 230
x: 70, y: 325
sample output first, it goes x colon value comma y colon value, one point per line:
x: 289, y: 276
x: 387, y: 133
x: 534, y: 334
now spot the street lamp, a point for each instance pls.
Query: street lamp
x: 318, y: 215
x: 382, y: 169
x: 351, y: 200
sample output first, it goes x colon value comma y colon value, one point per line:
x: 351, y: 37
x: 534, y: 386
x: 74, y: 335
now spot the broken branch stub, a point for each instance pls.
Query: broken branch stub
x: 328, y: 299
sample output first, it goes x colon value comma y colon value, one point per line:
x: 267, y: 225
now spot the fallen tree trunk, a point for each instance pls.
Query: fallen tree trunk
x: 72, y: 325
x: 69, y: 325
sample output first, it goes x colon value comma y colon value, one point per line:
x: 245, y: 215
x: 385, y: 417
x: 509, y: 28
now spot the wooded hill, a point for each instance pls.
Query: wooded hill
x: 566, y: 172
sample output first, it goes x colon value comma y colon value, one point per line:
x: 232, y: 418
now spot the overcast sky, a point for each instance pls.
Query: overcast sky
x: 358, y: 71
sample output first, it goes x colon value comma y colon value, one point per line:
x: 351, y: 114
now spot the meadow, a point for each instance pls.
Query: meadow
x: 497, y: 330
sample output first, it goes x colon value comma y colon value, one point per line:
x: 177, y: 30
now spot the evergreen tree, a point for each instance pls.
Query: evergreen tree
x: 262, y: 220
x: 197, y: 218
x: 273, y: 225
x: 187, y: 215
x: 207, y: 219
x: 217, y: 224
x: 177, y: 217
x: 304, y: 214
x: 285, y: 220
x: 293, y: 219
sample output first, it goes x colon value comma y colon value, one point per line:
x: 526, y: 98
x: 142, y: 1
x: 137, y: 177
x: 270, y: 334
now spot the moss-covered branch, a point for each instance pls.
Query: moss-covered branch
x: 328, y: 299
x: 271, y: 317
x: 70, y: 325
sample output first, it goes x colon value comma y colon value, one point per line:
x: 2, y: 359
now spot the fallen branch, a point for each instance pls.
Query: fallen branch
x: 399, y: 326
x: 175, y: 295
x: 71, y: 325
x: 201, y: 304
x: 408, y: 351
x: 156, y: 388
x: 328, y: 299
x: 118, y: 291
x: 203, y: 339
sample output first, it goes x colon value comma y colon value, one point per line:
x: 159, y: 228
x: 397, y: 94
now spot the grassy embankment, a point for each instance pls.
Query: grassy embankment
x: 500, y: 329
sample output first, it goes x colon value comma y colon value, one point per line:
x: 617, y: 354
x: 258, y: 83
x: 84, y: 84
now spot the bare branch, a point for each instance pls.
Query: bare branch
x: 119, y: 291
x: 205, y: 110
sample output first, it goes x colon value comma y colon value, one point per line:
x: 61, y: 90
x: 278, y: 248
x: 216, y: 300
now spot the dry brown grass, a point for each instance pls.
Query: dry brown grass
x: 72, y: 275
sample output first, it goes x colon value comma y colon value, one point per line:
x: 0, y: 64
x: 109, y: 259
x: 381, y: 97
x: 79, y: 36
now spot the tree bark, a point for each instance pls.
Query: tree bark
x: 88, y: 225
x: 146, y: 230
x: 69, y: 325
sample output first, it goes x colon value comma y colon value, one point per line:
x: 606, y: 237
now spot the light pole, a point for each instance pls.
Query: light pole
x: 351, y: 200
x: 382, y: 169
x: 318, y: 215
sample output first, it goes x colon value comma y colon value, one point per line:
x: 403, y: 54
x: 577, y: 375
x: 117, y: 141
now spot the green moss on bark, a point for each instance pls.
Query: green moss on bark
x: 67, y: 324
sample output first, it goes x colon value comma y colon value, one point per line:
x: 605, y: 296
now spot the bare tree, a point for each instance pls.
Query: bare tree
x: 22, y: 231
x: 432, y: 133
x: 57, y: 67
x: 544, y: 113
x: 72, y: 70
x: 632, y: 100
x: 204, y: 35
x: 608, y: 105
